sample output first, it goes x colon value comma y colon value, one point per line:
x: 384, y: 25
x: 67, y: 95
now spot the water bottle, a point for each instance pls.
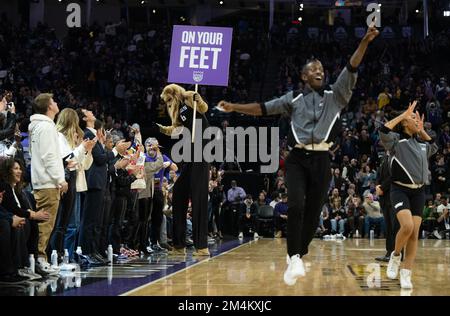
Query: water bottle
x: 54, y: 258
x: 357, y: 234
x: 110, y: 275
x: 110, y: 254
x: 32, y: 263
x: 79, y: 251
x: 54, y: 285
x: 372, y: 234
x: 66, y: 256
x: 424, y: 234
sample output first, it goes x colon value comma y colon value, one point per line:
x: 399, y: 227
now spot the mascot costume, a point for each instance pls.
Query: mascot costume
x: 194, y: 177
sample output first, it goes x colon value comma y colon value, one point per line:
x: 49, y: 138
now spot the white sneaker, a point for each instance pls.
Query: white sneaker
x: 340, y: 236
x: 405, y: 279
x: 437, y: 235
x: 393, y: 266
x: 26, y: 272
x: 46, y: 267
x: 241, y: 235
x: 255, y: 235
x: 68, y: 267
x: 294, y: 270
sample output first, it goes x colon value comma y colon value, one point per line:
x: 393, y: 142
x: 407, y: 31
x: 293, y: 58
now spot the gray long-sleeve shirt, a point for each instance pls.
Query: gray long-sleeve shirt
x: 409, y: 157
x: 314, y: 113
x: 373, y: 209
x: 150, y: 169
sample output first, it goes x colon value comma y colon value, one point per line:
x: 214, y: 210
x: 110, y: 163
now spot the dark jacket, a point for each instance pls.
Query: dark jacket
x: 384, y: 176
x: 216, y: 196
x: 96, y: 176
x: 7, y: 131
x: 111, y: 177
x: 10, y: 204
x: 337, y: 212
x: 253, y: 209
x: 5, y: 215
x: 123, y: 183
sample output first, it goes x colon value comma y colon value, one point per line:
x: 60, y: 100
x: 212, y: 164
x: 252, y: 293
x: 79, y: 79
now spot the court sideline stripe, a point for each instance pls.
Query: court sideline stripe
x: 182, y: 270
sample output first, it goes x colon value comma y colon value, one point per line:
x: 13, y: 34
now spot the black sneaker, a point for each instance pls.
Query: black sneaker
x: 13, y: 279
x: 382, y: 259
x: 166, y: 246
x: 158, y: 248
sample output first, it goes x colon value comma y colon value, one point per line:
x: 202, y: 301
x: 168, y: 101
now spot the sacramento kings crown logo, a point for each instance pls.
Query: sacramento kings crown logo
x: 197, y: 76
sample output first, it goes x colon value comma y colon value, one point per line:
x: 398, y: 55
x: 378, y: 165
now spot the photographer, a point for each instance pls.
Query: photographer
x: 443, y: 219
x: 7, y: 124
x: 434, y: 113
x: 135, y: 135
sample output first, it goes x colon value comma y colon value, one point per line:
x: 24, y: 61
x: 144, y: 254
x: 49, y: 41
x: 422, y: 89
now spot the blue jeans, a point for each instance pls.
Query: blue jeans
x: 341, y: 223
x: 188, y: 228
x: 163, y: 234
x: 369, y: 221
x: 74, y: 225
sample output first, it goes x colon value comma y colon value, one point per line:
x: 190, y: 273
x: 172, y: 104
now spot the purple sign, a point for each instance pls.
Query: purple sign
x: 200, y: 55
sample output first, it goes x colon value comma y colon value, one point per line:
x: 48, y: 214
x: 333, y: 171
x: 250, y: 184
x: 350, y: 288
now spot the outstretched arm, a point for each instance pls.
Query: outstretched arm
x: 249, y: 108
x: 358, y: 55
x: 166, y: 130
x: 280, y: 105
x: 343, y: 87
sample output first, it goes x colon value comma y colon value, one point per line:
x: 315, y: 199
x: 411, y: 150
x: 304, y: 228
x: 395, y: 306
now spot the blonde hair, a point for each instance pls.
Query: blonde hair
x: 67, y: 124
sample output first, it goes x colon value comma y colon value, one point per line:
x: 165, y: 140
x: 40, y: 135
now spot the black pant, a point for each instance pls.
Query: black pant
x: 145, y: 211
x: 106, y: 220
x: 389, y: 219
x: 192, y: 182
x: 247, y: 224
x: 131, y: 234
x: 91, y: 218
x: 33, y: 234
x: 22, y: 235
x: 65, y: 211
x: 33, y: 239
x: 215, y: 216
x: 7, y: 244
x: 156, y: 216
x: 280, y: 224
x: 115, y: 232
x: 355, y: 223
x: 308, y: 176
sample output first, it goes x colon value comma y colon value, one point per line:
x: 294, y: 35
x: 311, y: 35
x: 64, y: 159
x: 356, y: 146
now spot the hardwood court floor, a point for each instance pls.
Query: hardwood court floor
x: 333, y: 268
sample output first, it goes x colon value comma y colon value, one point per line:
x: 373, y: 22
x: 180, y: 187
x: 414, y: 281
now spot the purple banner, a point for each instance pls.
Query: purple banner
x: 200, y: 55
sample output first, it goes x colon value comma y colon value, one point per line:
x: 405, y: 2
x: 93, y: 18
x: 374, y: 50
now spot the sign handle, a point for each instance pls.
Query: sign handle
x: 194, y: 115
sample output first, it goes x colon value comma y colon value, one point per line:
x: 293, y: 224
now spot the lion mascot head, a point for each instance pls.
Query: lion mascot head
x: 175, y: 96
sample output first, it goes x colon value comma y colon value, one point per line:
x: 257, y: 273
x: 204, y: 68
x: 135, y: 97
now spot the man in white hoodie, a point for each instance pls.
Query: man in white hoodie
x: 47, y: 170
